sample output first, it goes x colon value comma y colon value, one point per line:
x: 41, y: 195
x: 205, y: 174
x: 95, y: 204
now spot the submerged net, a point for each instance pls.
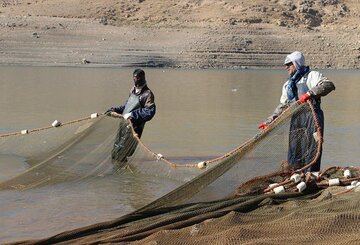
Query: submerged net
x: 76, y: 151
x: 51, y: 153
x: 56, y: 154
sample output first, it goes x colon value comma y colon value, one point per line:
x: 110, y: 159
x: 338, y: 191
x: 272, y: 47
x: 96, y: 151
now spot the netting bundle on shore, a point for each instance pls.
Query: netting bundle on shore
x: 236, y: 219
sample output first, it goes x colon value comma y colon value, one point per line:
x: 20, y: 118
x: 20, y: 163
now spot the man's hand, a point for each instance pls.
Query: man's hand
x: 114, y: 114
x: 108, y: 112
x: 263, y: 126
x: 127, y: 115
x: 305, y: 97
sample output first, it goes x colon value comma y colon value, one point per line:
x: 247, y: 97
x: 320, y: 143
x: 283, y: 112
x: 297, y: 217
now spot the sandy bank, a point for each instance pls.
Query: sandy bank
x: 54, y: 41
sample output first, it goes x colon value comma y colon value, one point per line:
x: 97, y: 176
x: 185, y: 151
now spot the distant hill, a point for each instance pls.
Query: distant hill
x: 287, y: 13
x: 181, y: 33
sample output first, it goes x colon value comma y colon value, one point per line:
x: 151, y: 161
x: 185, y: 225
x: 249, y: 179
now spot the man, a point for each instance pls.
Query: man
x: 139, y: 108
x: 302, y: 85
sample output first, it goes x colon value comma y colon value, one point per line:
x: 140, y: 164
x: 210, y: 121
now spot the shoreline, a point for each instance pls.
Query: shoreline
x: 114, y: 66
x: 57, y: 41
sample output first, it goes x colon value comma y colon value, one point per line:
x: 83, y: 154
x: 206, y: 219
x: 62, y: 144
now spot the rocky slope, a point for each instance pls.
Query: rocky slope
x: 183, y: 33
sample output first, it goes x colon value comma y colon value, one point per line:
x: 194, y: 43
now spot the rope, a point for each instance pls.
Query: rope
x: 232, y: 152
x: 159, y: 157
x: 48, y: 127
x: 318, y: 131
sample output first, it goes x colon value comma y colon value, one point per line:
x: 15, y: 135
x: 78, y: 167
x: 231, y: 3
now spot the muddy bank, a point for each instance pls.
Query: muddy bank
x: 55, y: 41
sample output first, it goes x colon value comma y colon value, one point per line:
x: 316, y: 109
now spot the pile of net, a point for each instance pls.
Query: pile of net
x: 317, y: 215
x: 246, y: 179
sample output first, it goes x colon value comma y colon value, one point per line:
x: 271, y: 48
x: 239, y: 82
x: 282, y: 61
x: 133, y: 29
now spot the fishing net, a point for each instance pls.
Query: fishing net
x: 79, y: 150
x: 315, y: 215
x: 51, y: 153
x: 100, y: 146
x: 288, y: 218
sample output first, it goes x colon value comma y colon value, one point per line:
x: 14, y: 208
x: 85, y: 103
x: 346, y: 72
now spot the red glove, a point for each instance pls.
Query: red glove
x: 305, y: 97
x: 263, y: 126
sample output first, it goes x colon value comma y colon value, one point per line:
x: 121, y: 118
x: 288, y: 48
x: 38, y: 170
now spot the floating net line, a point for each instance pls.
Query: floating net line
x: 81, y: 148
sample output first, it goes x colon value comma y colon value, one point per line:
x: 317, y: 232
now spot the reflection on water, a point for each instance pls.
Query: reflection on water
x: 199, y: 113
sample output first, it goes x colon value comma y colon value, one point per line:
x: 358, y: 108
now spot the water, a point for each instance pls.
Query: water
x: 199, y: 113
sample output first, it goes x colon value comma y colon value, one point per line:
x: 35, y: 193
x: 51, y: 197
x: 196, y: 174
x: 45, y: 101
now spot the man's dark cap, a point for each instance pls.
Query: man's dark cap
x: 139, y: 73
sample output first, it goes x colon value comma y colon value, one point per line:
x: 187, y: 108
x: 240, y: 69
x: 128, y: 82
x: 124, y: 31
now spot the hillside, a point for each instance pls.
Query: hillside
x: 183, y: 33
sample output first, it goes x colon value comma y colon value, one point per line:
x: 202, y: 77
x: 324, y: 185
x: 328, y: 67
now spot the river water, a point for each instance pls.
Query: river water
x: 199, y: 113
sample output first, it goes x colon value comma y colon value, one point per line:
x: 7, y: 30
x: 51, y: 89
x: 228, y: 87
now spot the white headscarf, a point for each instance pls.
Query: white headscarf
x: 297, y: 58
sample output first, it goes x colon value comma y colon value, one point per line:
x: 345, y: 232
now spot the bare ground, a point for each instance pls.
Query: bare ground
x: 186, y: 33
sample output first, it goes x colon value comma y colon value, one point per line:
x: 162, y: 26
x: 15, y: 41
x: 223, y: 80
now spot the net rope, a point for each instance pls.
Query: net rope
x: 159, y: 156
